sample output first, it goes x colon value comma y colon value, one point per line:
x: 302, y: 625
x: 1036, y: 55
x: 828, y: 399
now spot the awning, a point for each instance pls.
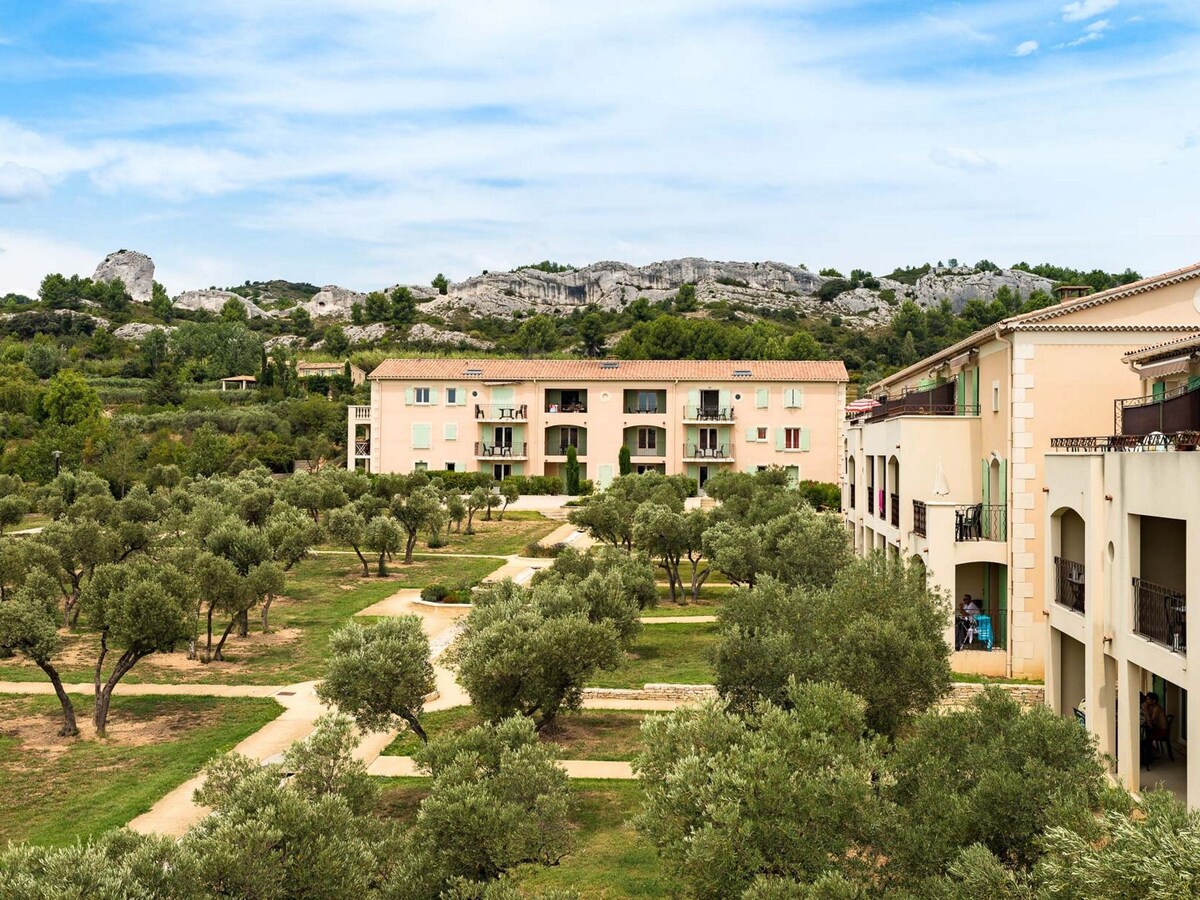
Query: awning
x: 1178, y: 365
x: 960, y: 362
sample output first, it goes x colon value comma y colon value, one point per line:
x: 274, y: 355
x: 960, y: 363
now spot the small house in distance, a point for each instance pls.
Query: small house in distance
x: 238, y: 382
x: 305, y: 369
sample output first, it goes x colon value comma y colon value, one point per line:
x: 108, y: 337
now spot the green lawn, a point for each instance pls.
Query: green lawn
x: 591, y: 734
x: 609, y: 859
x: 54, y: 790
x: 971, y: 678
x: 676, y: 653
x: 494, y: 538
x: 322, y: 593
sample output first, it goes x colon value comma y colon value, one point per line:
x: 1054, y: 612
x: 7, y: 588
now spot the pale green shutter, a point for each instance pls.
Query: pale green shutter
x: 408, y: 396
x: 1003, y: 500
x: 450, y: 431
x: 960, y: 392
x: 805, y: 438
x: 433, y: 395
x: 693, y: 402
x: 503, y: 394
x: 752, y: 433
x: 975, y: 387
x: 723, y: 399
x: 779, y: 437
x: 420, y: 437
x: 1159, y: 389
x: 761, y: 398
x: 798, y: 397
x: 987, y: 487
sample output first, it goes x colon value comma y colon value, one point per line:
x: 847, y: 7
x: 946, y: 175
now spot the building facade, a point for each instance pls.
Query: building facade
x: 948, y: 469
x: 519, y: 417
x: 1122, y: 513
x: 305, y: 369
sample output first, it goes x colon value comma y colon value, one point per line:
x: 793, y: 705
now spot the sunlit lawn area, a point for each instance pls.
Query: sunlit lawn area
x: 494, y: 538
x: 608, y: 860
x: 321, y: 594
x: 590, y: 734
x: 676, y: 653
x: 54, y: 789
x: 712, y: 598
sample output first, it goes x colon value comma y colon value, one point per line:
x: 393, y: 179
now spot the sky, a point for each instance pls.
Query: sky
x: 369, y: 142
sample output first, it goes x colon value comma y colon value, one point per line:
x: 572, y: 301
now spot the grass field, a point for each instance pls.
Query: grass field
x: 321, y: 594
x: 677, y: 654
x: 54, y: 790
x: 591, y: 734
x: 494, y: 538
x: 609, y: 859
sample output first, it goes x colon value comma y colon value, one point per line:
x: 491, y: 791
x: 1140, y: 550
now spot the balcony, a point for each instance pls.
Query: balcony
x: 719, y: 453
x: 360, y: 413
x: 920, y: 518
x: 1170, y: 413
x: 1154, y: 442
x: 937, y: 401
x: 501, y: 412
x: 981, y: 522
x: 1069, y: 584
x: 560, y: 448
x: 516, y: 450
x: 704, y: 413
x: 895, y: 510
x: 362, y: 448
x: 644, y: 403
x: 1160, y: 614
x: 566, y: 401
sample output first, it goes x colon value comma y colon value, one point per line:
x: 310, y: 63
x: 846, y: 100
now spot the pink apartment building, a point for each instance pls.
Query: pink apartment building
x: 519, y: 417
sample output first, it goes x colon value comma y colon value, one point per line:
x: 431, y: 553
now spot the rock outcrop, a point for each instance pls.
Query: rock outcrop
x: 136, y: 331
x: 332, y: 302
x: 213, y: 301
x: 362, y: 334
x: 284, y: 340
x: 958, y: 285
x: 422, y: 333
x: 133, y: 268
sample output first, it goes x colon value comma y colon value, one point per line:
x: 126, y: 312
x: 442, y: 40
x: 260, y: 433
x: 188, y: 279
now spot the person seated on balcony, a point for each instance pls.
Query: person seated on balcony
x: 964, y: 630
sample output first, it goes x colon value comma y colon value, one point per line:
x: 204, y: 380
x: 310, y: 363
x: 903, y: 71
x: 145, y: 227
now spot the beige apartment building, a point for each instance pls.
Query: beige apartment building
x: 1122, y: 513
x: 948, y: 469
x: 519, y: 417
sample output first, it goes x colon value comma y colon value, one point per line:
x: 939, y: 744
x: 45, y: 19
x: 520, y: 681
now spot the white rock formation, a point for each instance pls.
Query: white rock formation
x: 284, y: 340
x: 963, y: 283
x: 213, y: 301
x: 431, y: 335
x: 133, y: 268
x: 97, y: 321
x: 361, y: 334
x: 333, y: 302
x: 135, y: 331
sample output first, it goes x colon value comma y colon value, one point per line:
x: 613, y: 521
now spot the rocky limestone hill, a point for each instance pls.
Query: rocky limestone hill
x: 212, y: 301
x: 133, y: 268
x: 333, y: 302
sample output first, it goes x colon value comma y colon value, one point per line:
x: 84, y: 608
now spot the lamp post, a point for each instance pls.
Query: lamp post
x: 56, y: 454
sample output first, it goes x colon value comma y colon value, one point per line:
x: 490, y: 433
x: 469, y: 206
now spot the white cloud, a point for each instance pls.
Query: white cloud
x: 1093, y: 32
x: 26, y: 257
x: 962, y: 158
x: 1080, y: 10
x: 19, y: 183
x: 1025, y: 48
x: 957, y: 28
x: 1097, y: 26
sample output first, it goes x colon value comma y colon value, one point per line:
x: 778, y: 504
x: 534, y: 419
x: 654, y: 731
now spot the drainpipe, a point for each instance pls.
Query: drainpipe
x: 1008, y: 504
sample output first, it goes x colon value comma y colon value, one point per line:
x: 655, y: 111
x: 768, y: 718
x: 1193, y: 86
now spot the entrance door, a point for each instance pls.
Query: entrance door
x: 605, y: 476
x: 503, y: 435
x: 703, y: 475
x: 500, y: 471
x: 708, y: 441
x: 568, y: 436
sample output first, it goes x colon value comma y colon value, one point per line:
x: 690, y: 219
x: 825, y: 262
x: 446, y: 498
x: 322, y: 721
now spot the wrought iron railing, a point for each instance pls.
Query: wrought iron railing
x: 981, y: 522
x: 937, y: 401
x: 638, y: 411
x: 510, y: 450
x: 566, y: 407
x: 1128, y: 443
x: 1176, y: 410
x: 694, y: 451
x: 920, y: 517
x: 502, y: 412
x: 659, y: 450
x: 1160, y: 614
x: 559, y: 448
x: 1069, y: 584
x: 704, y: 413
x: 895, y: 510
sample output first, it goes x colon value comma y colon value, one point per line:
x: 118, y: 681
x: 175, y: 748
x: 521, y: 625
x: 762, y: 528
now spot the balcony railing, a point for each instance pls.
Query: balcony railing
x: 559, y: 448
x: 360, y: 413
x: 920, y: 514
x: 895, y: 510
x: 694, y: 451
x: 981, y: 522
x: 566, y: 407
x: 1128, y: 443
x: 1169, y: 413
x: 1160, y: 614
x: 650, y: 411
x: 938, y: 401
x: 362, y: 448
x: 1069, y: 584
x: 708, y: 413
x: 635, y: 450
x: 501, y: 412
x: 516, y: 449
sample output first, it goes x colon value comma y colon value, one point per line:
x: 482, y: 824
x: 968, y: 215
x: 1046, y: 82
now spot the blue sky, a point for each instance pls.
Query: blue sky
x: 366, y: 142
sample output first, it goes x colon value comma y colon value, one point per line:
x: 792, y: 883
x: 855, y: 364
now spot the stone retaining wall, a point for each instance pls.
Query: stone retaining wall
x: 961, y: 693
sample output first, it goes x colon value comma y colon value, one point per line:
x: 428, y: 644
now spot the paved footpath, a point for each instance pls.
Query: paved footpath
x: 404, y: 766
x: 677, y: 620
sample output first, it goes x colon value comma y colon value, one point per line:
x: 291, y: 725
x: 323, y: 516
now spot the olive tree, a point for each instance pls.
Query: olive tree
x: 380, y: 672
x: 348, y: 526
x: 28, y: 625
x: 383, y: 537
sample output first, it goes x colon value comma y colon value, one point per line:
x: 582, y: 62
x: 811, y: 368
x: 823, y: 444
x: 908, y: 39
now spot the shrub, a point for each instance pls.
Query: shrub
x: 436, y: 592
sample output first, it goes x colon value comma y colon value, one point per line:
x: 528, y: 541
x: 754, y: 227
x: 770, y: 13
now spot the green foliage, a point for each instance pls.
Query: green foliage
x: 571, y: 472
x: 536, y: 335
x: 1096, y: 279
x: 898, y: 661
x: 441, y: 283
x: 624, y: 466
x: 547, y: 266
x: 70, y: 400
x: 234, y: 311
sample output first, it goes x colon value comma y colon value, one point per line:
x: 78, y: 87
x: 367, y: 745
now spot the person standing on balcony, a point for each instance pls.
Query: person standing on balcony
x: 967, y: 611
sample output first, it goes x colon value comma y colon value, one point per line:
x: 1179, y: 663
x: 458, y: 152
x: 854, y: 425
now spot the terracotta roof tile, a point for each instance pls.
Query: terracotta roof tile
x: 1188, y: 342
x: 610, y: 370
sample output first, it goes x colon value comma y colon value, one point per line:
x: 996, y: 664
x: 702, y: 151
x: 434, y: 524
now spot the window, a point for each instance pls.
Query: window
x: 793, y: 398
x: 647, y: 438
x: 647, y: 402
x: 450, y: 431
x: 422, y: 395
x: 450, y: 467
x: 708, y: 439
x: 995, y: 396
x: 568, y: 437
x: 500, y: 471
x: 503, y: 435
x: 761, y: 431
x: 761, y: 398
x: 791, y: 439
x: 451, y: 398
x: 420, y: 466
